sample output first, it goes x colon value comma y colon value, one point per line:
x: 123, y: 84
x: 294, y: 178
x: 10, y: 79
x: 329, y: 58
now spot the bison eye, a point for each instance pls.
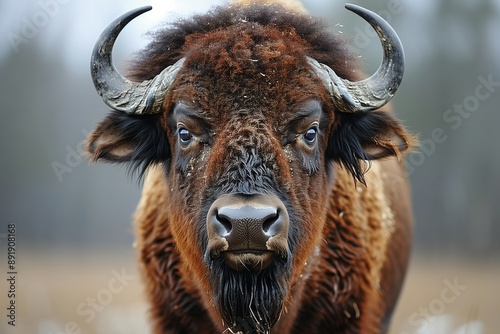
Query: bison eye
x: 311, y: 135
x: 185, y: 136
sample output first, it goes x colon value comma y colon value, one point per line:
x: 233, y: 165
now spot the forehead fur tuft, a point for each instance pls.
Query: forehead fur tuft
x: 316, y: 40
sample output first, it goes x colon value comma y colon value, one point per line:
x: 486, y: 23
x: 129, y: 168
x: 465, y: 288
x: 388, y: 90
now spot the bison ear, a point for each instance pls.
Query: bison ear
x: 366, y: 136
x: 138, y: 140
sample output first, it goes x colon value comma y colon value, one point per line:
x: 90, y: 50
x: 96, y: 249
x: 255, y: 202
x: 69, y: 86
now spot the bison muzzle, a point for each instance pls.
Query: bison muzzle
x: 247, y: 231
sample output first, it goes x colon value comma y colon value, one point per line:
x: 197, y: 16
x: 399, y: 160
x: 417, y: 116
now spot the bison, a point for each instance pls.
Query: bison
x: 267, y: 206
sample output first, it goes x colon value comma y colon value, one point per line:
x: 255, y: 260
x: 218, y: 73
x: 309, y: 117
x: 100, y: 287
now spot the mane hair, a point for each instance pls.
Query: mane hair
x: 167, y: 43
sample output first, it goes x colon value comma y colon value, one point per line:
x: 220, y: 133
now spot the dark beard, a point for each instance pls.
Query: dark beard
x: 248, y: 301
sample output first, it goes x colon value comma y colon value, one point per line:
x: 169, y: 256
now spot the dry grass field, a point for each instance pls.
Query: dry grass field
x: 445, y: 296
x: 101, y: 293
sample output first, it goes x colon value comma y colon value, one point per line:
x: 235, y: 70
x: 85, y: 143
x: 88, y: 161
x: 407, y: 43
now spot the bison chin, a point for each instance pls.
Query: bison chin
x: 249, y: 301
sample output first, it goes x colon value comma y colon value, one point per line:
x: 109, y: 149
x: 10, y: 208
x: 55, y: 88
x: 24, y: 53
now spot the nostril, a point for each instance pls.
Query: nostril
x: 268, y: 223
x: 225, y: 222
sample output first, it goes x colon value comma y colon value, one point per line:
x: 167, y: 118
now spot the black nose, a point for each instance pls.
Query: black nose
x: 247, y: 223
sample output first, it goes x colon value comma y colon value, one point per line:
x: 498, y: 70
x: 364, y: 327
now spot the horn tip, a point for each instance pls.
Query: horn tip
x: 138, y: 11
x: 142, y: 10
x: 355, y: 8
x: 351, y: 6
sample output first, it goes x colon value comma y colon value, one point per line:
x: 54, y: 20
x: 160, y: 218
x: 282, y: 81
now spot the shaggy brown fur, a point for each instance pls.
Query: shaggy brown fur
x: 247, y: 86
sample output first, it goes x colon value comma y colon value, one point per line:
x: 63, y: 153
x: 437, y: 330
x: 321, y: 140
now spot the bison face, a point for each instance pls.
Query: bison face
x: 249, y: 131
x: 250, y: 183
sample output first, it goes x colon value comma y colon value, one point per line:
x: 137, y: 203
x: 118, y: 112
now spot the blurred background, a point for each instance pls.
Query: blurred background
x: 75, y: 260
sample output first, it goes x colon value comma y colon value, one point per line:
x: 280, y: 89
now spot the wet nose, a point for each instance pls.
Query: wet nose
x: 247, y: 223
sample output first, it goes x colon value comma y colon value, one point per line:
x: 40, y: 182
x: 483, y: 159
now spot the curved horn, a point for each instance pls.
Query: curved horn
x: 118, y: 92
x: 375, y: 91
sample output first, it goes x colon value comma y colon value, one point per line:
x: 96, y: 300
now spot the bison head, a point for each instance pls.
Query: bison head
x: 249, y: 114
